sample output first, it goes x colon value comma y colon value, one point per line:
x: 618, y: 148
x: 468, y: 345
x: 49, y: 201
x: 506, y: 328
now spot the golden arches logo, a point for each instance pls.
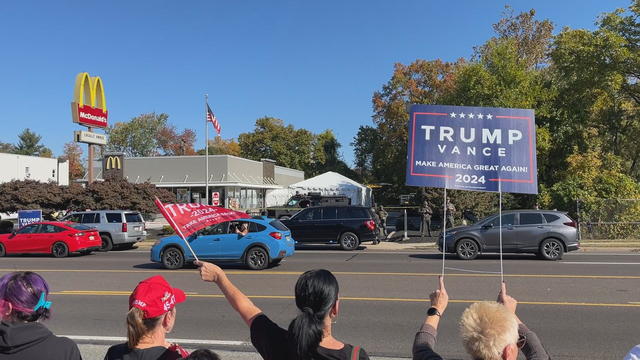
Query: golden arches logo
x: 113, y: 162
x: 89, y: 106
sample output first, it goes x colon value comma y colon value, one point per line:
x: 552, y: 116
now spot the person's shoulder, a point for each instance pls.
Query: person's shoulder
x: 64, y: 345
x: 117, y: 351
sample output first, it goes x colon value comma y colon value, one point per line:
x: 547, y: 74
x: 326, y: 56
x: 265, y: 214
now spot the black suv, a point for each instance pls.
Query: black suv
x: 346, y: 225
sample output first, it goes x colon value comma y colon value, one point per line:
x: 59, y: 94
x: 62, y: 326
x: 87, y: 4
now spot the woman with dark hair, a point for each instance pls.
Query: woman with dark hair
x: 309, y: 335
x: 23, y: 304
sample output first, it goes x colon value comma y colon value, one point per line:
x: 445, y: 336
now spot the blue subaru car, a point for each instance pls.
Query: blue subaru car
x: 265, y: 244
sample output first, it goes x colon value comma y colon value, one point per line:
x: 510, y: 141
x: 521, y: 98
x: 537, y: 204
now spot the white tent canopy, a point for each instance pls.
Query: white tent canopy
x: 329, y: 183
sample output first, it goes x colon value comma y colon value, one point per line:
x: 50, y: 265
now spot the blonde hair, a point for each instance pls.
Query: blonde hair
x: 486, y: 329
x: 138, y: 326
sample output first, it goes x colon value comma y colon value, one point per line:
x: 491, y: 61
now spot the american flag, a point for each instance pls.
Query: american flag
x: 212, y: 117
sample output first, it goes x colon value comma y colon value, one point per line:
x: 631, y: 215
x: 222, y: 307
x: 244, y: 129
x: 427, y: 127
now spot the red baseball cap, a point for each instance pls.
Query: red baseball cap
x: 154, y: 296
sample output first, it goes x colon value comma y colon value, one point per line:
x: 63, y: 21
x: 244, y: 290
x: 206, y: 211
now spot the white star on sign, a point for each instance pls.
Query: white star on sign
x: 453, y: 114
x: 462, y: 115
x: 471, y: 116
x: 489, y: 116
x: 480, y: 116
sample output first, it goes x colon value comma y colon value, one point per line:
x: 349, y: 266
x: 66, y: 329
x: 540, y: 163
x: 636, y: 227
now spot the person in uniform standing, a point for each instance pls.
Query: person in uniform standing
x: 426, y: 218
x: 382, y: 214
x: 451, y: 209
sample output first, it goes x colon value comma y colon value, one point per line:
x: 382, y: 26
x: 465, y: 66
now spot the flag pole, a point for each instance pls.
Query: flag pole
x: 206, y: 148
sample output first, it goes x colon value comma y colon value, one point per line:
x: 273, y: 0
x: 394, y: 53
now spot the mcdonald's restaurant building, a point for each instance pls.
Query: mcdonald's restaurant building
x: 234, y: 182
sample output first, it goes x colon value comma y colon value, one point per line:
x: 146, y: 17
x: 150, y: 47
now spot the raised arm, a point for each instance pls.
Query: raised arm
x: 532, y: 347
x: 239, y: 301
x: 425, y: 338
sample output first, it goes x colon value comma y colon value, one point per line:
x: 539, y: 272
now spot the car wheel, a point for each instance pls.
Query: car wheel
x: 256, y: 258
x: 349, y: 241
x: 107, y: 243
x: 467, y: 249
x: 59, y: 250
x: 3, y: 252
x: 551, y: 249
x: 172, y: 258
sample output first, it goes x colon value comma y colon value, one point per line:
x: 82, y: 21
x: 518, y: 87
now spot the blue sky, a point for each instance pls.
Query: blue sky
x: 313, y: 64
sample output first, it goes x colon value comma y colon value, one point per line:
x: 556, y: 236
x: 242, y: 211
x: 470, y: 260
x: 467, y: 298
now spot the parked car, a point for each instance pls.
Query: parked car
x: 301, y: 201
x: 52, y: 237
x: 266, y: 244
x: 119, y: 228
x: 544, y: 232
x: 348, y: 226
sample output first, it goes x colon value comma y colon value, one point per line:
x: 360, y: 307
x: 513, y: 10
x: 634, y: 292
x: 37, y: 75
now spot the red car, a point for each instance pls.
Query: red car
x: 51, y: 237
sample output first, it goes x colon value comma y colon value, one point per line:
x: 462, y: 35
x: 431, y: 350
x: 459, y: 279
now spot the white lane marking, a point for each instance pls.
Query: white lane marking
x: 179, y: 341
x: 597, y: 263
x: 473, y: 271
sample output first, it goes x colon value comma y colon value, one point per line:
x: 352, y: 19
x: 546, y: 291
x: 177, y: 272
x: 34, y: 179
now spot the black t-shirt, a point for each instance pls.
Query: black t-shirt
x: 271, y: 341
x: 122, y: 352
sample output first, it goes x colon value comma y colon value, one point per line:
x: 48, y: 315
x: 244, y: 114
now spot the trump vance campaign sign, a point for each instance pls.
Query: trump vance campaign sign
x: 472, y: 148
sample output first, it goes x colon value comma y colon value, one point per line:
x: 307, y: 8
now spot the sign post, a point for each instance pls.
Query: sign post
x: 472, y: 148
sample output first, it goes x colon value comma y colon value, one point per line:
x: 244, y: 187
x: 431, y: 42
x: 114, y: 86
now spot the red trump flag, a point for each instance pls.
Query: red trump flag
x: 186, y: 219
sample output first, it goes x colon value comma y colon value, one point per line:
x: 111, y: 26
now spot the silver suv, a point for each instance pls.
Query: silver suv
x: 119, y: 228
x: 547, y: 233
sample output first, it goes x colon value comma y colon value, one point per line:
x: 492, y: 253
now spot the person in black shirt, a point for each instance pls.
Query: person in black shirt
x: 309, y: 334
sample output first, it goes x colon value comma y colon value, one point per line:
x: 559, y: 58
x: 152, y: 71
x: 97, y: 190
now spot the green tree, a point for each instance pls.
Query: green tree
x: 220, y: 146
x: 29, y: 144
x: 365, y: 146
x: 150, y: 135
x: 271, y: 139
x: 7, y: 148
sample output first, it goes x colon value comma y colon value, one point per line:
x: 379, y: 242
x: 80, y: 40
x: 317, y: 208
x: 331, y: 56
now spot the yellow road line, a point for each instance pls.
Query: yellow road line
x: 346, y: 273
x: 349, y: 298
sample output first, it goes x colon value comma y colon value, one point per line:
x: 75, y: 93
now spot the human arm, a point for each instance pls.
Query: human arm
x: 533, y: 348
x: 239, y: 301
x: 425, y: 338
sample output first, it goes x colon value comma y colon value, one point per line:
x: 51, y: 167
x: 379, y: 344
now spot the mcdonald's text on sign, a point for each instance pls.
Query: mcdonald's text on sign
x: 472, y: 148
x: 89, y: 105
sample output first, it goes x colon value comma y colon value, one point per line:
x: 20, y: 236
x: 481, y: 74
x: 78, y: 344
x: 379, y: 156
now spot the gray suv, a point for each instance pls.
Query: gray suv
x: 544, y: 232
x: 119, y: 228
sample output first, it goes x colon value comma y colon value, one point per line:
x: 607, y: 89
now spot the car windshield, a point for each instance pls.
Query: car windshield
x: 79, y: 227
x: 293, y: 202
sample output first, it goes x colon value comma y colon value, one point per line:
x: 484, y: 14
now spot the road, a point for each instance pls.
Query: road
x: 583, y: 307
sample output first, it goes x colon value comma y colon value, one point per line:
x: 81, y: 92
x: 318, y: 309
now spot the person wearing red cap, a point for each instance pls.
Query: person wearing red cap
x: 151, y: 316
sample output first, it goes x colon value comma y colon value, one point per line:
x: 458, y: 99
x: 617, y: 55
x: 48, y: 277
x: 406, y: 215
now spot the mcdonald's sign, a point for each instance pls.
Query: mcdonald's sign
x: 89, y: 105
x: 113, y: 162
x: 113, y: 166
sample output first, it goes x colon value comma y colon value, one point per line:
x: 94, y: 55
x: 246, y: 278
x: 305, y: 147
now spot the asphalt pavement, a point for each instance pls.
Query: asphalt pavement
x: 583, y: 307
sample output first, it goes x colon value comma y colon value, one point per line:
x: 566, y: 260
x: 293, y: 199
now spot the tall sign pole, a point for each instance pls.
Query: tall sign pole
x: 206, y: 147
x: 89, y: 108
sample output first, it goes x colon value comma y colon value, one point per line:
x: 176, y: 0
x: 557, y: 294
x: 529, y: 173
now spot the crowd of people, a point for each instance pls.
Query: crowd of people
x: 490, y: 330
